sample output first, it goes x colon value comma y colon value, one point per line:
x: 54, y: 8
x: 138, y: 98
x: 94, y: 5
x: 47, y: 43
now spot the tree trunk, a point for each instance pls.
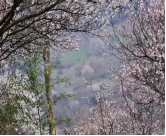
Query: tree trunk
x: 47, y: 75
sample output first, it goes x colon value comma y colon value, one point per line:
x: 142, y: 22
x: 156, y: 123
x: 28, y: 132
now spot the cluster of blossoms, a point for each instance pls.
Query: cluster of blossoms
x: 20, y: 112
x: 25, y: 24
x: 140, y: 45
x: 146, y: 62
x: 143, y: 68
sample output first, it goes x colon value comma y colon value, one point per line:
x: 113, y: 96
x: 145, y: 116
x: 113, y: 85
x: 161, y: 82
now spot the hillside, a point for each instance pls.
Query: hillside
x: 88, y: 63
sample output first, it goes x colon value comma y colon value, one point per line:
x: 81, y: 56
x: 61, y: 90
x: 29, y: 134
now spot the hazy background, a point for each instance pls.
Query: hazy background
x: 89, y: 63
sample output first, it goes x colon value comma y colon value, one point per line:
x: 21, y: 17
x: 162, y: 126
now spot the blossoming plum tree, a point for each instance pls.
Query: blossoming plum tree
x: 138, y: 41
x: 140, y: 46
